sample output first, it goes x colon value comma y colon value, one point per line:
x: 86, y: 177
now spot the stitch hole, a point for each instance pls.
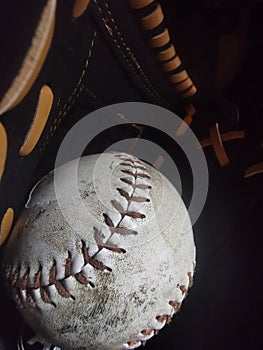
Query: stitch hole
x: 91, y: 284
x: 108, y: 222
x: 85, y: 252
x: 148, y: 200
x: 135, y: 215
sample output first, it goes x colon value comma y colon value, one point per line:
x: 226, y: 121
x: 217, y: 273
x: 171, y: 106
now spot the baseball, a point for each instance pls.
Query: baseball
x: 105, y: 269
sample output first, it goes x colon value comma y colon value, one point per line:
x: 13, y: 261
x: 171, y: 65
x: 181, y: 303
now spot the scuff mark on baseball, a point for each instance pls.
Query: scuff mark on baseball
x: 107, y: 277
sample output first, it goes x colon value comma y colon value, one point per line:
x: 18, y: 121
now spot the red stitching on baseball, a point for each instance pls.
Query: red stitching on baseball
x: 30, y: 297
x: 14, y: 276
x: 190, y: 277
x: 165, y: 318
x: 80, y: 277
x: 142, y: 175
x: 68, y: 266
x: 25, y: 279
x: 183, y: 289
x: 134, y: 343
x: 130, y: 198
x: 24, y: 289
x: 140, y: 186
x: 62, y: 289
x: 147, y: 332
x: 53, y: 274
x: 176, y: 306
x: 45, y: 296
x: 37, y: 281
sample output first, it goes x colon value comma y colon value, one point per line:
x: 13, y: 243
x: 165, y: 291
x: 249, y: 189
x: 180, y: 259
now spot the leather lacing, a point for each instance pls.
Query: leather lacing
x: 166, y: 54
x: 216, y: 141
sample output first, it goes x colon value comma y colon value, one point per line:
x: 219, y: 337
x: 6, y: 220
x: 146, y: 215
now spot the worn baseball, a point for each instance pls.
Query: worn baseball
x: 105, y: 270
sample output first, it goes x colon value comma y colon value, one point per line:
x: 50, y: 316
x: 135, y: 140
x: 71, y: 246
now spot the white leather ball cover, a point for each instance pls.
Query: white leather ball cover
x: 107, y: 268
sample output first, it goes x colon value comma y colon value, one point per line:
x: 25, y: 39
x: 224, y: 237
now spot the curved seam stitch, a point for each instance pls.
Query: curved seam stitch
x: 21, y: 285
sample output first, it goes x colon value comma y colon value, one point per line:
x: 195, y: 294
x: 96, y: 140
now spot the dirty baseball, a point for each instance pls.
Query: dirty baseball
x: 105, y: 270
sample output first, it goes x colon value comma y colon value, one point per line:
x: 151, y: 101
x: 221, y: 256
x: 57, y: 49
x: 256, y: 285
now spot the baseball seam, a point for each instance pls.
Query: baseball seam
x: 132, y: 170
x: 146, y: 334
x: 24, y: 290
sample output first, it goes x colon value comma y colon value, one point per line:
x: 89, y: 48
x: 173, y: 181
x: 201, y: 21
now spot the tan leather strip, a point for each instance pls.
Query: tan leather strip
x: 184, y: 125
x: 190, y: 92
x: 6, y: 225
x: 79, y: 7
x: 232, y: 135
x: 3, y: 149
x: 218, y: 146
x: 161, y: 39
x: 139, y: 4
x: 158, y: 162
x: 190, y: 110
x: 172, y: 65
x: 205, y: 142
x: 178, y: 77
x: 40, y: 119
x: 33, y: 60
x: 254, y: 170
x: 154, y: 19
x: 184, y: 85
x: 167, y: 54
x: 190, y: 113
x: 227, y: 136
